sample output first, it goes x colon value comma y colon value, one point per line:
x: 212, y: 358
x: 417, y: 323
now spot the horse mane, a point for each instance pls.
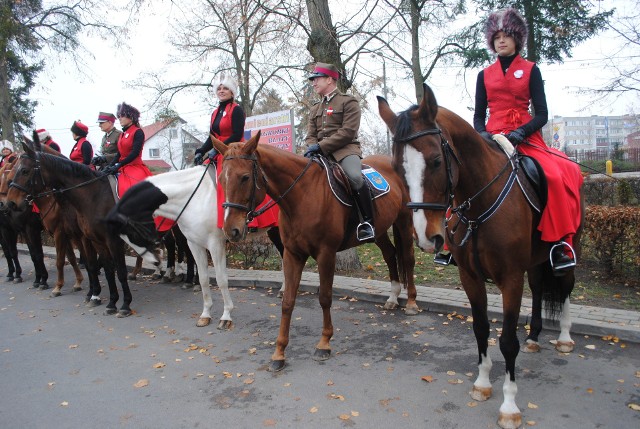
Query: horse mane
x: 66, y: 167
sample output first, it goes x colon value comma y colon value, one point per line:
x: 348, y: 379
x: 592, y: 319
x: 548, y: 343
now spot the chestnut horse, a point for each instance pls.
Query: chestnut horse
x: 313, y: 222
x: 89, y: 193
x: 491, y: 231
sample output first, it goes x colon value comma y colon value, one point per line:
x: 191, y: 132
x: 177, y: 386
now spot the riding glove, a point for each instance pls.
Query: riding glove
x: 197, y: 160
x: 313, y: 150
x: 99, y: 160
x: 516, y: 136
x: 111, y: 169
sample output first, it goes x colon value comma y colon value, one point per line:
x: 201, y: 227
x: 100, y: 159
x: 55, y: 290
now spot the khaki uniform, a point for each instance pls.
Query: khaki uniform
x: 109, y: 146
x: 333, y: 124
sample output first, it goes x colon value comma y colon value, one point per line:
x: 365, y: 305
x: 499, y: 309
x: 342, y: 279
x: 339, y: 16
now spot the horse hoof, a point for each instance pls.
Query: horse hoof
x: 510, y: 421
x: 530, y: 347
x: 197, y: 288
x: 280, y: 294
x: 203, y: 321
x: 132, y: 277
x: 36, y: 285
x: 481, y: 393
x: 55, y: 293
x: 165, y: 279
x: 412, y: 311
x: 156, y: 277
x: 9, y: 278
x: 110, y: 311
x: 225, y: 325
x: 186, y: 286
x: 276, y: 366
x: 322, y: 354
x: 565, y: 346
x: 122, y: 313
x: 390, y: 305
x: 77, y: 288
x: 87, y: 299
x: 178, y: 279
x: 44, y: 286
x: 17, y: 279
x: 94, y: 303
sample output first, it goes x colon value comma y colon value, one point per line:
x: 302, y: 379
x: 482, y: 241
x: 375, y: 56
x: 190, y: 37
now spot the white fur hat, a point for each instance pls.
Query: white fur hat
x: 229, y: 82
x: 6, y: 144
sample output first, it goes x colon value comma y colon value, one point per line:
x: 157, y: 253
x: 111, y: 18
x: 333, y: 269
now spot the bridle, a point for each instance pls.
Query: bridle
x: 448, y: 154
x: 252, y: 213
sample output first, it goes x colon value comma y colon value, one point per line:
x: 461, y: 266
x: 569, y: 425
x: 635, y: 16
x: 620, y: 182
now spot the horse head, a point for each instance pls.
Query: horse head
x: 26, y: 177
x: 243, y: 183
x: 423, y: 157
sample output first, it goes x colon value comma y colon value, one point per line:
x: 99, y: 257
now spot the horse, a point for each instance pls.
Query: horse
x: 8, y: 235
x: 89, y: 193
x: 464, y: 184
x: 189, y: 198
x: 313, y: 222
x: 28, y: 224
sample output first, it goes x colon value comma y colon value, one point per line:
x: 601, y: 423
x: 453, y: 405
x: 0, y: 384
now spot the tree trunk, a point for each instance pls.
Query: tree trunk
x: 6, y: 109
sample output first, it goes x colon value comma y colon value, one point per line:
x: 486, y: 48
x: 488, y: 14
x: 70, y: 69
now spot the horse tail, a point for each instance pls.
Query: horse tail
x: 555, y: 291
x: 400, y: 256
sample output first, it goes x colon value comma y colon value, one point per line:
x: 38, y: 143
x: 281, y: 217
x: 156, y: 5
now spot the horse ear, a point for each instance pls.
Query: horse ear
x: 387, y: 115
x: 220, y: 146
x: 27, y: 145
x: 251, y: 144
x: 429, y: 106
x: 36, y: 142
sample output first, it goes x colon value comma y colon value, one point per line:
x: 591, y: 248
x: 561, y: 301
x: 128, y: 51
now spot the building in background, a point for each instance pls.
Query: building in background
x: 168, y: 145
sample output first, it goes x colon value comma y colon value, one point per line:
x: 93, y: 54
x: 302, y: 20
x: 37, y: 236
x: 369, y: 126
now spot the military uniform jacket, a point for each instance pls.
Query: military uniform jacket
x: 109, y: 146
x: 334, y: 124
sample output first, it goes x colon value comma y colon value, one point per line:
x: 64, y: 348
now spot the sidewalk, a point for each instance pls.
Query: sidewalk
x: 586, y: 320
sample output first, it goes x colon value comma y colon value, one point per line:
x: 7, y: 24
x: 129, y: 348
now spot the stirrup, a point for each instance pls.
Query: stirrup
x: 443, y: 259
x: 364, y: 231
x: 566, y: 264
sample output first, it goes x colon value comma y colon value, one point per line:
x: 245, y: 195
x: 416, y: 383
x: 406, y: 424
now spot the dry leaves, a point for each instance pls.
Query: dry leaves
x: 159, y: 365
x: 427, y: 378
x: 141, y: 383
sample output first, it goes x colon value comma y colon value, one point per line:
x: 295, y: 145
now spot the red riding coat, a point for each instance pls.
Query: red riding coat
x: 508, y: 99
x: 136, y: 170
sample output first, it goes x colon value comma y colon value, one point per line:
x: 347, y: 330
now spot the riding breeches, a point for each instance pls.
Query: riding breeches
x: 352, y: 167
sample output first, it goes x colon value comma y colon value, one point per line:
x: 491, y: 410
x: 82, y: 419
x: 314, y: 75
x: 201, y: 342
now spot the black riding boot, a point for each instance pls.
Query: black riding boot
x: 365, y: 229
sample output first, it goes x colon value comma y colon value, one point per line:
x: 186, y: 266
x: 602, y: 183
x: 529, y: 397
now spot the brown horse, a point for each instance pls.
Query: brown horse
x: 491, y: 231
x: 8, y: 234
x: 89, y: 193
x: 313, y: 222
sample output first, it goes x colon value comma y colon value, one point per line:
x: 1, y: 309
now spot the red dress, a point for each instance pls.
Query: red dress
x: 76, y: 152
x: 508, y: 99
x: 268, y: 218
x: 135, y: 171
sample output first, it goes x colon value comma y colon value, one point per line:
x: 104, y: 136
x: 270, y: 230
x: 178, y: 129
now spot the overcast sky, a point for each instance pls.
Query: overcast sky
x: 64, y: 96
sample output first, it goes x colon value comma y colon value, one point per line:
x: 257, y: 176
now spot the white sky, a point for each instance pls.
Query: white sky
x: 63, y: 96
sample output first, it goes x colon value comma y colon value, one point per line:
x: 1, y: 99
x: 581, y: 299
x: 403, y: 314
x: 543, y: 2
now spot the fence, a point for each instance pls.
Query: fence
x: 630, y: 155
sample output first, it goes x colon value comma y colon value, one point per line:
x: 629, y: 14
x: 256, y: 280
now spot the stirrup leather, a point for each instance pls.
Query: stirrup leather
x: 563, y: 265
x: 365, y: 231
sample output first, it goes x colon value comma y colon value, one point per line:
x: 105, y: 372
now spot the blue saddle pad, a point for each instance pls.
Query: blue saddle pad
x: 376, y: 179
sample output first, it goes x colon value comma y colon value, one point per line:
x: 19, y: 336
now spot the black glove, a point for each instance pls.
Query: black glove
x: 99, y: 160
x: 487, y: 135
x: 212, y: 154
x: 516, y: 136
x: 111, y: 169
x: 197, y: 160
x: 313, y: 150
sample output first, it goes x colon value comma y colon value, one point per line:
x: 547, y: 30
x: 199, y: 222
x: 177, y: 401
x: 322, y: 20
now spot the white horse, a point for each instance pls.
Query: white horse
x: 190, y: 197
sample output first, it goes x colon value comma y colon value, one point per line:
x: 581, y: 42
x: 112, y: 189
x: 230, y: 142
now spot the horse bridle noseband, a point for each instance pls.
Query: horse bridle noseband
x: 448, y: 153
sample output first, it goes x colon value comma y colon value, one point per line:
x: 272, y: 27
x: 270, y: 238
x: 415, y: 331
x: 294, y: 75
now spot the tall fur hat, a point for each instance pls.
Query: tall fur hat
x: 128, y: 111
x: 509, y: 21
x: 6, y: 144
x: 79, y: 129
x: 229, y: 82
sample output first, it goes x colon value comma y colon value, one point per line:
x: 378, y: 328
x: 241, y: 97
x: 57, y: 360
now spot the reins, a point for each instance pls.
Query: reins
x: 251, y: 212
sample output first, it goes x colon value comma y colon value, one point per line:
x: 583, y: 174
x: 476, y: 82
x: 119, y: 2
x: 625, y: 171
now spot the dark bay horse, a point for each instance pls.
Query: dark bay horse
x: 313, y: 222
x: 491, y: 231
x: 190, y: 197
x: 8, y: 234
x: 89, y: 193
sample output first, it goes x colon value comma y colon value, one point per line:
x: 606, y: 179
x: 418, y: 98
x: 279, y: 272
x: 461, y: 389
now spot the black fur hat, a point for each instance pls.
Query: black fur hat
x: 509, y: 21
x: 128, y: 111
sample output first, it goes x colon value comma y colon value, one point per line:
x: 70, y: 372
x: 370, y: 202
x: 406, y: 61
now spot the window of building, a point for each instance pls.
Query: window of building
x: 154, y: 153
x: 173, y: 133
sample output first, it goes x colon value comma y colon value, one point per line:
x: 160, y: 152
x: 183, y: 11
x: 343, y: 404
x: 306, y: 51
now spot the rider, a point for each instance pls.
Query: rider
x: 109, y: 146
x: 127, y: 162
x: 227, y: 120
x: 82, y: 151
x: 333, y: 131
x: 45, y: 138
x: 507, y: 87
x: 6, y: 152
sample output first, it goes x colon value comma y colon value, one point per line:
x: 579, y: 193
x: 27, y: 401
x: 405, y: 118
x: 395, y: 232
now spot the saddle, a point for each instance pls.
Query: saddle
x: 339, y: 182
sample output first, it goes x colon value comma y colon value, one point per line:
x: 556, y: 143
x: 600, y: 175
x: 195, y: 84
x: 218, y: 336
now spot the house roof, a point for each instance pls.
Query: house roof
x: 156, y: 163
x: 156, y: 127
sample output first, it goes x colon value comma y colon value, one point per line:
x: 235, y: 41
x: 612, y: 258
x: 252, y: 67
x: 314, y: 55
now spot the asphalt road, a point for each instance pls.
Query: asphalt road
x: 64, y: 365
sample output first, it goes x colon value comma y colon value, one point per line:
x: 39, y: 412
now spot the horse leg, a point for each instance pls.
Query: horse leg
x: 170, y: 245
x: 61, y: 249
x: 121, y: 271
x: 326, y: 271
x: 133, y: 275
x: 293, y: 266
x: 405, y: 260
x: 274, y: 236
x: 110, y: 276
x: 510, y: 416
x: 71, y: 257
x: 88, y: 253
x: 200, y: 256
x: 565, y: 284
x: 219, y: 258
x: 477, y: 295
x: 34, y: 243
x: 535, y: 278
x: 389, y: 254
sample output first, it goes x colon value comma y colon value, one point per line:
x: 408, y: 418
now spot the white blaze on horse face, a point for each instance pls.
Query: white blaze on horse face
x: 414, y: 167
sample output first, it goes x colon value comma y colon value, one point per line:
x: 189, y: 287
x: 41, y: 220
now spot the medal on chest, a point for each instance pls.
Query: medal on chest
x: 330, y: 111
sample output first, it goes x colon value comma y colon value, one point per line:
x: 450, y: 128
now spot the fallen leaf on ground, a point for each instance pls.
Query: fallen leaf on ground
x: 427, y: 378
x: 313, y: 410
x: 141, y: 383
x: 355, y: 413
x: 532, y: 406
x: 73, y: 346
x: 344, y: 416
x: 269, y: 422
x: 64, y: 404
x: 159, y: 365
x: 590, y: 347
x: 472, y: 404
x: 634, y: 407
x: 248, y: 381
